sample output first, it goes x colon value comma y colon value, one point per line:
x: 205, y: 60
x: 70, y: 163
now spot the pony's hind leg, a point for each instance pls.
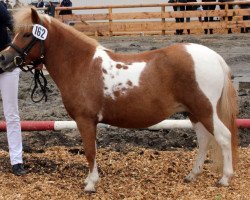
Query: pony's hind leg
x: 203, y: 139
x: 223, y: 137
x: 88, y: 133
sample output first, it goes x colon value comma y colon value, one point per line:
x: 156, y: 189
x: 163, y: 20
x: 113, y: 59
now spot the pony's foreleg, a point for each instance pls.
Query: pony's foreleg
x: 203, y: 138
x: 223, y: 137
x: 88, y: 133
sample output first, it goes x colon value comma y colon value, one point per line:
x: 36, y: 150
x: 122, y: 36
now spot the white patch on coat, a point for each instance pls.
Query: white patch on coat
x: 99, y: 116
x: 209, y: 72
x: 117, y: 79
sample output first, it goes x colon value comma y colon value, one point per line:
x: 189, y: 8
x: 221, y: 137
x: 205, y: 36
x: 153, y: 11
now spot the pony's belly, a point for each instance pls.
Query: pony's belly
x: 139, y: 117
x: 133, y: 122
x: 139, y: 114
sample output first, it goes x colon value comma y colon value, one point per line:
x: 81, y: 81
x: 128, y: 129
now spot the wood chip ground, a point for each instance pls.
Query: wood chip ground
x: 58, y: 173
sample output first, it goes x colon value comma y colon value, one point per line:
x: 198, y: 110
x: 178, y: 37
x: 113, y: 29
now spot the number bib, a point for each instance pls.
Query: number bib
x: 39, y: 32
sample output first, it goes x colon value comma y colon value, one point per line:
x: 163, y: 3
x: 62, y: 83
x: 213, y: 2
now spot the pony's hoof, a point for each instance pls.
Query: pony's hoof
x: 189, y: 178
x: 90, y: 188
x: 89, y: 192
x: 86, y: 181
x: 223, y: 182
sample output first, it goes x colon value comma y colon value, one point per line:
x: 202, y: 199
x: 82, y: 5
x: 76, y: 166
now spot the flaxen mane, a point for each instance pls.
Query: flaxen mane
x: 22, y: 19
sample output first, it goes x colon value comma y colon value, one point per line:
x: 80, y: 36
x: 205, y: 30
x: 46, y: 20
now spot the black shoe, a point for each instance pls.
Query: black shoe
x: 18, y: 169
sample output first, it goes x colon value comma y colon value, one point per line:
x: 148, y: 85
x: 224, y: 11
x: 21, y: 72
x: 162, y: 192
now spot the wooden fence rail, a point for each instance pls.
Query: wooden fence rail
x: 112, y: 22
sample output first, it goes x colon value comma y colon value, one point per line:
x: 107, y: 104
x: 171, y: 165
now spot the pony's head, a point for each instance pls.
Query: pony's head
x: 27, y: 47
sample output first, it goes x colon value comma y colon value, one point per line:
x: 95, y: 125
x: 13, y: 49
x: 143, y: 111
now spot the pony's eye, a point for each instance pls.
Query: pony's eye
x: 27, y: 35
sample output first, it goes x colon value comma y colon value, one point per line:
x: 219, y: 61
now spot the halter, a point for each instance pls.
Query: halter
x: 19, y: 61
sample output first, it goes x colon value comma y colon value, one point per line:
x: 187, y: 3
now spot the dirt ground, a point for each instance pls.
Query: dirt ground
x: 133, y: 164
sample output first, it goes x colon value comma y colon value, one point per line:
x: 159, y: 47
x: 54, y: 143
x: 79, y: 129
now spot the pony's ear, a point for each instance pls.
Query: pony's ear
x: 34, y: 16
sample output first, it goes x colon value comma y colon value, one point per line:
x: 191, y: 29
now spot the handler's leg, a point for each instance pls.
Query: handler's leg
x: 9, y: 91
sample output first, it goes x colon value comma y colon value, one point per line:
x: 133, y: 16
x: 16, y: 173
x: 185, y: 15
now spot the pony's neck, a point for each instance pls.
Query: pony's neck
x: 67, y: 51
x: 68, y: 43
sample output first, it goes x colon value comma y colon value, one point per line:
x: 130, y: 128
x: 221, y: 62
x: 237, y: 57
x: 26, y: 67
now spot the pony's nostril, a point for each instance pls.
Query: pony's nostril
x: 2, y: 57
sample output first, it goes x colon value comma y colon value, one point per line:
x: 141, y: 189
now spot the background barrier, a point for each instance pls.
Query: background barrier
x: 62, y: 125
x: 114, y: 21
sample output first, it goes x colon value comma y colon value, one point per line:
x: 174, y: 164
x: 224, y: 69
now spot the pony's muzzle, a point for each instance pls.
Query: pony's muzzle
x: 2, y: 58
x: 6, y: 58
x: 7, y: 62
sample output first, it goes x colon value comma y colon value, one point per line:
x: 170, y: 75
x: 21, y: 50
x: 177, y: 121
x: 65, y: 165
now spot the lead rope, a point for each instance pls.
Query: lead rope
x: 37, y: 82
x: 38, y: 73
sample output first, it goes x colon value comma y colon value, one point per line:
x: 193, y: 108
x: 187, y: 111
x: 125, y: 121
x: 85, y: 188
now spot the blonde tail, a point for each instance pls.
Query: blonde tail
x: 227, y: 109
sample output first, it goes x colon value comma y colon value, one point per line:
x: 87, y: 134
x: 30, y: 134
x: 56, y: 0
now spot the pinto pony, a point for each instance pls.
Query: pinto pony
x: 131, y: 90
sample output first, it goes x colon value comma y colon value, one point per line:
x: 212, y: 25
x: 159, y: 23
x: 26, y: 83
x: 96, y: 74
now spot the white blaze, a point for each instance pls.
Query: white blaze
x: 13, y: 41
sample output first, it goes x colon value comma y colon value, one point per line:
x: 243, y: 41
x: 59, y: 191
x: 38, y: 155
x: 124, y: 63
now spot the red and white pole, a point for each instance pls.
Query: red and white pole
x: 32, y: 125
x: 62, y: 125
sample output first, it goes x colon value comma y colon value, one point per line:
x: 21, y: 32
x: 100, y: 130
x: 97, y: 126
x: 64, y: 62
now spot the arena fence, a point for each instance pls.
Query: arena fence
x: 114, y: 21
x: 61, y: 125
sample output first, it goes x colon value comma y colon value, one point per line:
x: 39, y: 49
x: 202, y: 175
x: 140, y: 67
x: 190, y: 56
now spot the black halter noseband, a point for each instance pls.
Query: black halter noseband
x: 19, y: 61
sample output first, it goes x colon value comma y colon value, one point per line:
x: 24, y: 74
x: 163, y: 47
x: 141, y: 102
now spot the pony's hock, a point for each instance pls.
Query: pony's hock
x: 133, y: 90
